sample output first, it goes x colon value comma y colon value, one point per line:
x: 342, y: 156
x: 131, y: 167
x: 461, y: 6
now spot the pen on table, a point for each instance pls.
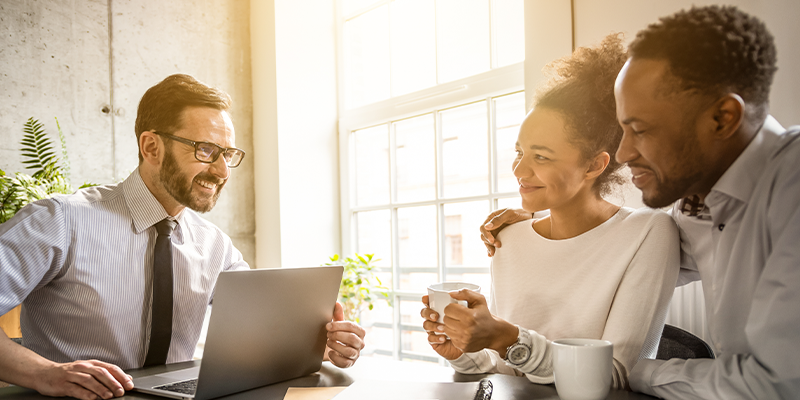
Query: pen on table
x: 484, y: 390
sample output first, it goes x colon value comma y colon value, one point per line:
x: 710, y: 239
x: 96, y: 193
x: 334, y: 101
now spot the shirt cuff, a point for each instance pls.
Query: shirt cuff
x: 641, y: 376
x: 464, y: 364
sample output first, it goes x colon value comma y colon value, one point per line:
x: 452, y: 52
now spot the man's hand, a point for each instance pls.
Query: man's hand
x: 87, y: 380
x: 495, y: 223
x: 474, y: 328
x: 345, y: 340
x: 440, y: 343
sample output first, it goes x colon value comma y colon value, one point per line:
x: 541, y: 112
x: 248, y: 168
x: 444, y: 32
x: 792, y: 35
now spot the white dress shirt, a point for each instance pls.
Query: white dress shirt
x: 81, y: 265
x: 746, y: 248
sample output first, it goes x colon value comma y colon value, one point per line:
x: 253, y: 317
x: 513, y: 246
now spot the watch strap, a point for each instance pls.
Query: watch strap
x: 523, y: 339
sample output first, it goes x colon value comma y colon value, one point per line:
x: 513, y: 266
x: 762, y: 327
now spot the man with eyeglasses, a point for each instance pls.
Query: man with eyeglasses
x: 87, y: 267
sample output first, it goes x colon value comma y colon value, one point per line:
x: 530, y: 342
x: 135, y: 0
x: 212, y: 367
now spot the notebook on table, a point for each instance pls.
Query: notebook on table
x: 266, y: 326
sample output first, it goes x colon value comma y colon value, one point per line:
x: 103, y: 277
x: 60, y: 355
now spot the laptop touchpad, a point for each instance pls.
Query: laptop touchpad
x: 188, y: 373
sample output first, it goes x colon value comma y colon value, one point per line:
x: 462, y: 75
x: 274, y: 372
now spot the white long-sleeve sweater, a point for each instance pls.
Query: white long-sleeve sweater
x: 613, y: 282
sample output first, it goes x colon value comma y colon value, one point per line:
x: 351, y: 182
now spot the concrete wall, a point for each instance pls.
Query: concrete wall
x: 70, y: 59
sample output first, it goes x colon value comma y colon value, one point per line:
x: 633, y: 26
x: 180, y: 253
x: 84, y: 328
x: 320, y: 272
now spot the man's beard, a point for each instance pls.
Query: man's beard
x: 669, y: 190
x: 688, y: 172
x: 179, y: 186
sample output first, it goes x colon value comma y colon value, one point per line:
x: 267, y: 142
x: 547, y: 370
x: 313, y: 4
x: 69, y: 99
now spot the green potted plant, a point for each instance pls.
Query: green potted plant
x: 360, y: 285
x: 50, y: 176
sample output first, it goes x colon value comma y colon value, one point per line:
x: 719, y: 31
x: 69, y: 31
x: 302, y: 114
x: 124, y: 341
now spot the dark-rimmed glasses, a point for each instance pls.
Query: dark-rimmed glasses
x: 207, y: 152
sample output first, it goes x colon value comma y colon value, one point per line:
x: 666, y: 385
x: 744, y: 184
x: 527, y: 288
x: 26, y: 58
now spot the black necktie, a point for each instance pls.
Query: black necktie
x: 161, y: 321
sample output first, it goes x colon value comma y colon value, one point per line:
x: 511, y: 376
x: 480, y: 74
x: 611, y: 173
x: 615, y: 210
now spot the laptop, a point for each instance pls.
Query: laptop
x: 266, y: 326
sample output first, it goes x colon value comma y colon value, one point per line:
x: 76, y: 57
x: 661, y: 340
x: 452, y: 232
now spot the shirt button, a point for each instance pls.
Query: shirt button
x: 721, y: 227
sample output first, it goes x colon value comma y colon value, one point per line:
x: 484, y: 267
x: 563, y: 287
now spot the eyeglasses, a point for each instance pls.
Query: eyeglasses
x: 207, y: 152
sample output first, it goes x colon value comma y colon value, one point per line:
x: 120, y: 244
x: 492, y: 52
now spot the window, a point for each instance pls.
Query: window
x: 431, y: 95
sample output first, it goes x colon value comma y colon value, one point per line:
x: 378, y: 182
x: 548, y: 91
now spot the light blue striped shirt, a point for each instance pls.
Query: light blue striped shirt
x: 82, y: 267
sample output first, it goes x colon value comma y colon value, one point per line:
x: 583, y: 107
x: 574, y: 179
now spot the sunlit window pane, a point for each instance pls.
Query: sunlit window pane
x: 416, y: 163
x: 463, y: 245
x: 417, y: 247
x: 367, y: 66
x: 414, y: 340
x: 512, y: 202
x: 413, y: 32
x: 351, y: 6
x: 508, y: 25
x: 465, y: 254
x: 372, y: 165
x: 384, y: 275
x: 462, y: 36
x: 378, y: 338
x: 409, y: 311
x: 509, y: 113
x: 465, y: 150
x: 380, y: 313
x: 375, y: 237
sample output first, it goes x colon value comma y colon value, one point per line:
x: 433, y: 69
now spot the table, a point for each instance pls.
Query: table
x: 505, y: 387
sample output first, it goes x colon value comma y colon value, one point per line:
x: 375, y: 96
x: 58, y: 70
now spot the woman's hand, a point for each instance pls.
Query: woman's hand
x: 440, y: 344
x: 474, y: 328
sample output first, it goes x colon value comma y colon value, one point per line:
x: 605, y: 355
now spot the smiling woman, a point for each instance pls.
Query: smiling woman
x: 590, y: 269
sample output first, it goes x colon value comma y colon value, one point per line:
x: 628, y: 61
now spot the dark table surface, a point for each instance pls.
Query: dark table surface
x: 505, y: 387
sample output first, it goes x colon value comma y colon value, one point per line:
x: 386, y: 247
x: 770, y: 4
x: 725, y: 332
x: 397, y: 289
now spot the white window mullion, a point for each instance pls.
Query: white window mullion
x: 392, y: 164
x: 439, y: 194
x: 490, y: 112
x: 439, y: 160
x: 396, y: 318
x: 346, y: 190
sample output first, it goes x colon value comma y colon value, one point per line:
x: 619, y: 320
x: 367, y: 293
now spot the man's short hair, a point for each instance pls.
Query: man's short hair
x: 162, y: 105
x: 714, y: 49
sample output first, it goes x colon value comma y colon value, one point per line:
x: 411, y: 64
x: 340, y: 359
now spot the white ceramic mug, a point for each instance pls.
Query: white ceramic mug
x: 439, y: 295
x: 582, y: 368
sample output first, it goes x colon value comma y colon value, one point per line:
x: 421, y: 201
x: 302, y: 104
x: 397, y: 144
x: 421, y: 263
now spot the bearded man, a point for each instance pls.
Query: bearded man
x: 82, y: 265
x: 693, y: 102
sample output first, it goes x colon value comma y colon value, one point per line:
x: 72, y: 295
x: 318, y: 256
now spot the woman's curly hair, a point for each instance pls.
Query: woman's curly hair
x: 581, y: 89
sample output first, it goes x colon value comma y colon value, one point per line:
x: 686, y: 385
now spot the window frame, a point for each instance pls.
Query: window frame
x: 485, y: 86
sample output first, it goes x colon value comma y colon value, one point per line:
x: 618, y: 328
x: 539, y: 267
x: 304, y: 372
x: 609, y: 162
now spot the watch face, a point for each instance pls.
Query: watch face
x: 519, y: 354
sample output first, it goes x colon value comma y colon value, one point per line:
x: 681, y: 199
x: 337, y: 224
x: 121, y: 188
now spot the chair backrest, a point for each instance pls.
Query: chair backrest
x: 9, y: 323
x: 677, y: 343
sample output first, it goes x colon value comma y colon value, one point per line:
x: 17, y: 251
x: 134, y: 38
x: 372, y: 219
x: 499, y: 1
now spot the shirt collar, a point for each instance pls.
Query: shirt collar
x: 741, y: 177
x: 145, y: 209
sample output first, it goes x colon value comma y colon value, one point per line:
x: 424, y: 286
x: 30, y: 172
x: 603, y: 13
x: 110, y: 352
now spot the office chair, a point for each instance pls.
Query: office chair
x: 677, y: 343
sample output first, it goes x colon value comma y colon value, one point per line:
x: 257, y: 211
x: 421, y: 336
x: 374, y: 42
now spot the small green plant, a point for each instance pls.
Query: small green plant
x: 357, y: 289
x: 50, y: 177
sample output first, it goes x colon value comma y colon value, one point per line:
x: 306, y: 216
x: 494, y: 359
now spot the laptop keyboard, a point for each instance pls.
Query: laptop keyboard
x: 185, y: 387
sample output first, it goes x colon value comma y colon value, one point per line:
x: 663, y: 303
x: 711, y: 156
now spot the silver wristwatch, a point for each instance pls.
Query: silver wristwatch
x: 520, y: 352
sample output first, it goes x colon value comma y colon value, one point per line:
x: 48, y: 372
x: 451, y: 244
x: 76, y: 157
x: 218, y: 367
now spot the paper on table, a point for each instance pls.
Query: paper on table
x: 312, y: 393
x: 394, y: 390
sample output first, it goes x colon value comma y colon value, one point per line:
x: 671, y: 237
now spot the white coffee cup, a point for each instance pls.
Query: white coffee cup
x: 582, y: 368
x: 439, y: 295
